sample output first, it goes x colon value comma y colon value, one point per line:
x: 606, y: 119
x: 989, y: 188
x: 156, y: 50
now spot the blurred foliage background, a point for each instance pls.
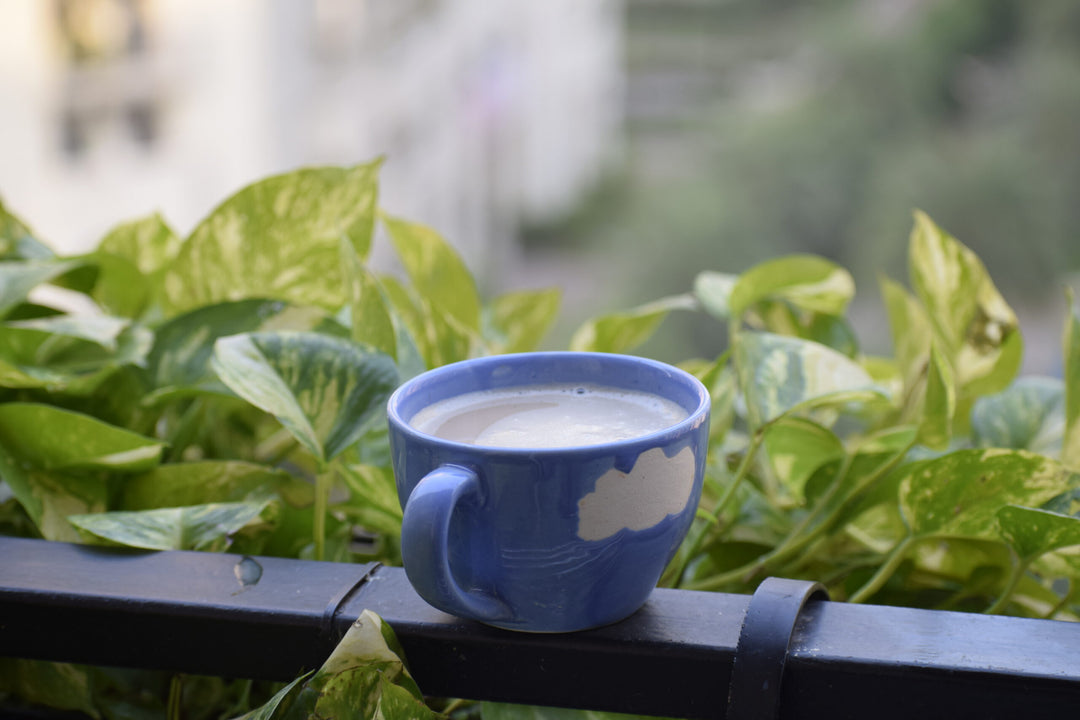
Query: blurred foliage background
x: 756, y: 128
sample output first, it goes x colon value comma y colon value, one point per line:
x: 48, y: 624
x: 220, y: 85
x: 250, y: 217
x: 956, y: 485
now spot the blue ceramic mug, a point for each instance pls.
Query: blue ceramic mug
x: 549, y: 539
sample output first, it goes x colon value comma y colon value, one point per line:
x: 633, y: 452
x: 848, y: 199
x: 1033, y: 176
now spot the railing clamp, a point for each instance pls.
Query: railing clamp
x: 754, y: 693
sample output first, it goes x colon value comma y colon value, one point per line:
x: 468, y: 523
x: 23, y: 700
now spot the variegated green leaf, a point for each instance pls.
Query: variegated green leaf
x: 623, y: 331
x: 1028, y: 415
x: 782, y: 318
x: 324, y: 390
x: 374, y: 503
x: 1070, y: 448
x: 180, y: 360
x: 100, y: 329
x: 36, y: 359
x: 1034, y: 532
x: 438, y: 340
x: 806, y: 281
x: 148, y: 243
x: 939, y: 405
x: 971, y: 322
x: 17, y: 241
x: 713, y: 291
x: 18, y: 278
x: 778, y: 374
x: 518, y: 321
x: 959, y: 494
x: 51, y: 438
x: 796, y: 447
x: 910, y: 329
x: 206, y: 527
x: 48, y: 497
x: 436, y: 271
x: 719, y: 378
x: 210, y: 481
x: 364, y: 677
x: 277, y: 239
x: 58, y: 686
x: 370, y: 318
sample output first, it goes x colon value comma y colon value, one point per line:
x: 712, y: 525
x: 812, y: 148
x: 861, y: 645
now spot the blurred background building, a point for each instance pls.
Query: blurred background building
x: 489, y: 114
x: 613, y: 147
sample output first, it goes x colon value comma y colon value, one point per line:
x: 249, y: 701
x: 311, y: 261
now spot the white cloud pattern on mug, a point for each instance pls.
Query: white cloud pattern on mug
x: 656, y: 487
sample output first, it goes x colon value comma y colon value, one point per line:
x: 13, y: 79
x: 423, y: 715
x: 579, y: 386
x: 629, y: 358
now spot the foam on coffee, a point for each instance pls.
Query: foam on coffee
x: 548, y: 416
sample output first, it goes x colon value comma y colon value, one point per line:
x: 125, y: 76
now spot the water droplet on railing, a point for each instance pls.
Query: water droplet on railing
x: 247, y: 571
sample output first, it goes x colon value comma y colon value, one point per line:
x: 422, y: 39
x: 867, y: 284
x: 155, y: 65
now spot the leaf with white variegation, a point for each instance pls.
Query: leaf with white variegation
x: 51, y: 438
x: 206, y: 527
x: 1033, y: 532
x: 48, y: 497
x: 369, y: 315
x: 1028, y: 415
x: 210, y: 481
x: 780, y: 374
x: 909, y: 327
x: 17, y: 279
x: 713, y: 291
x: 1070, y: 448
x: 623, y: 331
x: 796, y: 447
x: 960, y: 494
x: 324, y: 390
x: 179, y: 363
x: 973, y: 325
x: 806, y: 281
x: 939, y: 404
x: 17, y: 241
x: 148, y: 243
x: 436, y: 271
x: 277, y: 238
x: 518, y: 321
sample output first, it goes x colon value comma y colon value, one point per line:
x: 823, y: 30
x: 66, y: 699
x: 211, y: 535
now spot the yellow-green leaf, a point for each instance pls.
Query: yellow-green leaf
x: 778, y: 374
x: 623, y: 331
x: 518, y: 321
x: 278, y: 239
x: 324, y: 390
x: 370, y: 318
x: 50, y: 438
x: 1070, y: 448
x: 436, y: 271
x: 806, y: 281
x: 939, y: 405
x: 206, y: 527
x: 959, y: 494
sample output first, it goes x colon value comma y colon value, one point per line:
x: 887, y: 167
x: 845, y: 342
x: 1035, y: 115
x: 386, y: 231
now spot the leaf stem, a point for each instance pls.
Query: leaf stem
x: 674, y: 575
x: 173, y: 710
x: 794, y: 543
x: 185, y: 431
x: 884, y: 572
x: 1020, y: 566
x: 1069, y: 590
x: 324, y: 481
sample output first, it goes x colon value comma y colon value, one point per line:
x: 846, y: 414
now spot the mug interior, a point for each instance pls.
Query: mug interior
x: 620, y: 372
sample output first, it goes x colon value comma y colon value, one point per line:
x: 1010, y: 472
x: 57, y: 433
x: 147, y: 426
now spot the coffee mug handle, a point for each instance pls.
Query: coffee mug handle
x: 425, y: 532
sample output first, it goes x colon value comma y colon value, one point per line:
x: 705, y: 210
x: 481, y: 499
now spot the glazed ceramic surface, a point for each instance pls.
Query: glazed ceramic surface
x: 546, y: 540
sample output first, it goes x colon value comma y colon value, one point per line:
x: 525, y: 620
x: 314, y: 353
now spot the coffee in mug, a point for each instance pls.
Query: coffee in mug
x: 548, y: 416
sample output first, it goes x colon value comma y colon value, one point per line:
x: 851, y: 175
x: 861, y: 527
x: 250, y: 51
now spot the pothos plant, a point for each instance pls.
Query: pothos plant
x: 226, y: 391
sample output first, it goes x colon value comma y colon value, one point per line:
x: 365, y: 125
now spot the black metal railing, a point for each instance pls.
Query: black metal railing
x: 271, y: 618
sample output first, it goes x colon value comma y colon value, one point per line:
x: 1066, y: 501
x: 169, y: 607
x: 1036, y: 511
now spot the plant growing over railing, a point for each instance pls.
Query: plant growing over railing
x: 227, y: 392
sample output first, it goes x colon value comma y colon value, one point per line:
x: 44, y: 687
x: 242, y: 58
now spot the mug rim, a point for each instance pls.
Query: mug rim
x: 693, y: 419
